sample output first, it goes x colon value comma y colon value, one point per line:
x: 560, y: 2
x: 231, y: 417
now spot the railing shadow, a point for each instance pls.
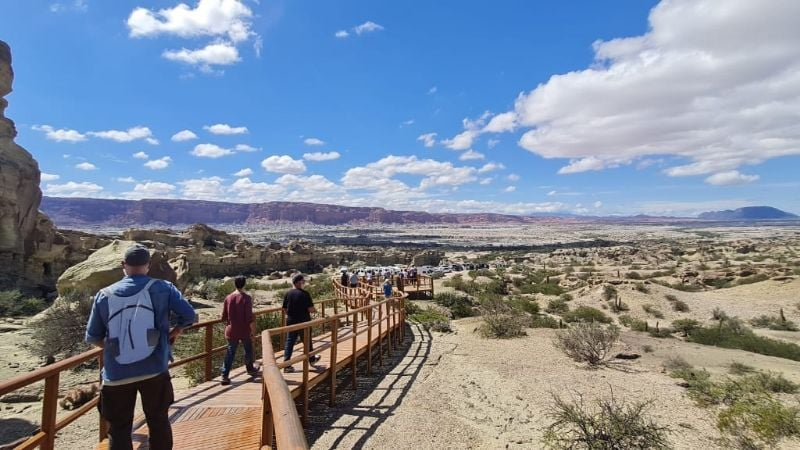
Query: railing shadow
x: 14, y: 431
x: 400, y: 370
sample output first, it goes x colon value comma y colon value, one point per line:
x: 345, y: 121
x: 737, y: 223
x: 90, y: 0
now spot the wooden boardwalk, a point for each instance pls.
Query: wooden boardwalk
x: 212, y: 416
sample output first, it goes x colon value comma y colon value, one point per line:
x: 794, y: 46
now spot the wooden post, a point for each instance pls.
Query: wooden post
x: 103, y: 426
x: 369, y: 341
x: 49, y: 409
x: 388, y: 331
x: 380, y: 335
x: 208, y: 346
x: 283, y: 324
x: 334, y: 338
x: 323, y: 315
x: 267, y: 424
x: 306, y: 349
x: 355, y: 347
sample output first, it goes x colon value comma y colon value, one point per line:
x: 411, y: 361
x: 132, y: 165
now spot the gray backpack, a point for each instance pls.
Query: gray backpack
x: 132, y: 331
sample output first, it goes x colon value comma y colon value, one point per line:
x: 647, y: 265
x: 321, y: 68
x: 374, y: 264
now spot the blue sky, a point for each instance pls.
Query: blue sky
x: 616, y: 107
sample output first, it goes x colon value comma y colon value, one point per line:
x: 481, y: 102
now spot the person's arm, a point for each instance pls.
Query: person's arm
x: 224, y: 317
x: 311, y: 308
x: 96, y: 326
x: 185, y: 314
x: 251, y: 318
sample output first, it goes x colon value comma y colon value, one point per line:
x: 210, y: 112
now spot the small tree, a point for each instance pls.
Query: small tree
x: 685, y: 326
x: 587, y: 342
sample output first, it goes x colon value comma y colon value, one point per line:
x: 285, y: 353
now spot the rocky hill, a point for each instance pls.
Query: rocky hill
x: 749, y: 213
x: 114, y: 212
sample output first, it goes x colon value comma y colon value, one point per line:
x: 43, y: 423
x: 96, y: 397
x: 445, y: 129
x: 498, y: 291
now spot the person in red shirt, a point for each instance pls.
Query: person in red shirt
x: 237, y: 313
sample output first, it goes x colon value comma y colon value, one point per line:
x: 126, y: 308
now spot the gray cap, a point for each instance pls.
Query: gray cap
x: 137, y: 255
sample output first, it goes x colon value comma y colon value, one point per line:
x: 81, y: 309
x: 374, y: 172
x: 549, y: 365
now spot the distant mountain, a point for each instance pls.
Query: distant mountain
x: 77, y: 212
x: 749, y: 213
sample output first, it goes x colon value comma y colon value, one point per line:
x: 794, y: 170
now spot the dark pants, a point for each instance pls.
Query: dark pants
x: 290, y: 341
x: 117, y: 403
x: 248, y: 356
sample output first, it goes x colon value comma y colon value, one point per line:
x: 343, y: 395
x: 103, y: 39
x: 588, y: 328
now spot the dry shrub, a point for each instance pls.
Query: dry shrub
x: 609, y: 424
x: 61, y: 330
x: 587, y: 342
x: 501, y: 320
x: 758, y: 422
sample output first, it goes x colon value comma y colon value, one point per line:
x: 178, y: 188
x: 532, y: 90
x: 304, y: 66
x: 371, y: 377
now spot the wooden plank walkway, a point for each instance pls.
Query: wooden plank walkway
x: 210, y: 416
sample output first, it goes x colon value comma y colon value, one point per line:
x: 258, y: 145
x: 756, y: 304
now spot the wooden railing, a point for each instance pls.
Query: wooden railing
x: 280, y: 417
x: 44, y: 438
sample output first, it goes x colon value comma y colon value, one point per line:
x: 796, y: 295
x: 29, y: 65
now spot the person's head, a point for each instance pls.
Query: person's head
x: 239, y: 282
x: 298, y: 280
x: 136, y: 260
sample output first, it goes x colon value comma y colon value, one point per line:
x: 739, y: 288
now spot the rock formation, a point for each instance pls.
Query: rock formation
x: 32, y: 252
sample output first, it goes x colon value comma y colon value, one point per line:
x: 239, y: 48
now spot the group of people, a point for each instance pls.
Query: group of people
x: 137, y: 320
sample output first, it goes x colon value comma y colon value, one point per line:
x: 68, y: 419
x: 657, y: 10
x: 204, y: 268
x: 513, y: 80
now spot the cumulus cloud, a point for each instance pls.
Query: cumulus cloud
x: 61, y: 134
x: 473, y: 128
x: 218, y: 54
x: 244, y: 173
x: 730, y: 177
x: 73, y: 189
x: 364, y: 28
x: 428, y: 139
x: 379, y: 175
x: 283, y: 164
x: 126, y: 180
x: 158, y: 164
x: 513, y: 177
x: 470, y: 155
x: 598, y: 204
x: 510, y: 189
x: 152, y: 189
x: 485, y: 181
x: 49, y: 177
x: 80, y: 6
x: 244, y: 189
x: 85, y: 166
x: 341, y: 34
x: 129, y: 135
x: 489, y: 167
x: 245, y: 148
x: 314, y: 141
x: 225, y: 129
x: 712, y: 81
x: 501, y: 123
x: 229, y: 19
x: 183, y: 135
x: 210, y: 151
x: 141, y: 155
x: 321, y: 156
x: 210, y: 188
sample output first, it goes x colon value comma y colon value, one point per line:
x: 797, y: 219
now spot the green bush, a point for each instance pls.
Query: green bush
x: 731, y: 337
x: 586, y: 314
x: 653, y: 311
x: 566, y: 297
x: 633, y: 276
x: 642, y: 288
x: 758, y: 422
x: 524, y: 305
x: 611, y: 424
x: 757, y: 278
x: 609, y: 292
x: 432, y: 319
x: 500, y: 320
x: 685, y: 326
x: 557, y: 306
x: 737, y: 368
x: 459, y: 305
x: 543, y: 321
x: 680, y: 306
x: 660, y: 333
x: 633, y: 324
x: 671, y: 298
x: 14, y: 304
x: 773, y: 323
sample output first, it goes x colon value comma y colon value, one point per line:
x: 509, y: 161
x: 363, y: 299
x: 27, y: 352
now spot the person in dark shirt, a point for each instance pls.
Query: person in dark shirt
x: 237, y: 313
x: 344, y: 278
x: 298, y: 306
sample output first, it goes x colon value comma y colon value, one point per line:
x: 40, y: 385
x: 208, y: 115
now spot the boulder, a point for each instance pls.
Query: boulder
x: 427, y: 258
x: 104, y: 267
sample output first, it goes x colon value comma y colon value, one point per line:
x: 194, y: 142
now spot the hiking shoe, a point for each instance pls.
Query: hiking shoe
x: 288, y: 369
x: 225, y: 381
x: 314, y: 359
x: 254, y: 372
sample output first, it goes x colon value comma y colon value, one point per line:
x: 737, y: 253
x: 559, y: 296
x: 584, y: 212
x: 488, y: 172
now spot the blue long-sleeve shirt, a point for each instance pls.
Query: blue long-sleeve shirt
x: 166, y: 299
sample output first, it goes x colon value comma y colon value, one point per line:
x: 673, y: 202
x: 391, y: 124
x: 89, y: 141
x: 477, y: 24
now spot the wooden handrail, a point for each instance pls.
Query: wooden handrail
x: 281, y: 416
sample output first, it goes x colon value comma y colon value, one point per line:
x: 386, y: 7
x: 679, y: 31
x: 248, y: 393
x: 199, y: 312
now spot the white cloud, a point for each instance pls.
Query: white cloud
x: 210, y: 151
x: 598, y: 204
x: 67, y: 6
x: 210, y: 188
x: 408, y: 122
x: 488, y: 167
x: 49, y: 176
x: 730, y: 177
x: 492, y: 143
x: 85, y: 166
x: 314, y: 142
x: 283, y: 164
x: 510, y: 189
x: 158, y: 164
x: 485, y: 181
x: 229, y: 19
x: 320, y: 156
x: 129, y: 135
x: 501, y: 123
x: 513, y: 177
x: 684, y: 208
x: 712, y: 81
x: 153, y: 189
x: 341, y: 34
x: 183, y: 135
x: 225, y: 129
x: 218, y: 54
x: 433, y: 90
x: 244, y: 173
x: 429, y: 139
x: 245, y: 148
x: 367, y: 27
x: 72, y: 189
x: 126, y: 180
x: 461, y: 141
x: 379, y: 175
x: 141, y: 155
x: 247, y: 191
x: 60, y: 135
x: 552, y: 193
x: 471, y: 154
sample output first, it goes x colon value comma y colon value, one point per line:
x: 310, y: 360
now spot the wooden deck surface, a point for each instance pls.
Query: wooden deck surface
x: 210, y: 416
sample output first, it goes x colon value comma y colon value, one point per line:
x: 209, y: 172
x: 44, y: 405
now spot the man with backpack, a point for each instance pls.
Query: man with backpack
x: 240, y: 325
x: 130, y: 321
